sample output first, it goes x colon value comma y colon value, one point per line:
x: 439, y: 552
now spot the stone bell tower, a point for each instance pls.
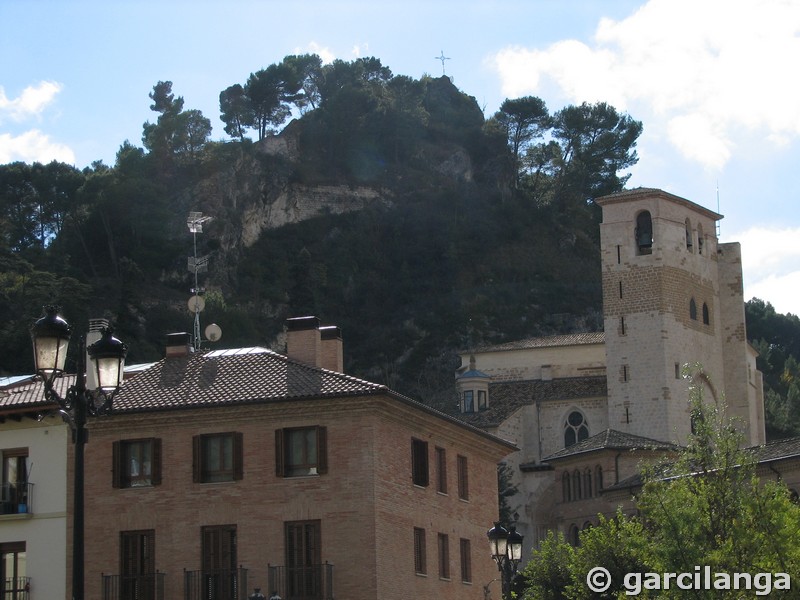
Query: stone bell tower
x: 672, y: 295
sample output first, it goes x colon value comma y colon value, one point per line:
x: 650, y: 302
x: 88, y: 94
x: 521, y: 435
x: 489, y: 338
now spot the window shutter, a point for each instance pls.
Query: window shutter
x: 116, y: 466
x: 155, y: 464
x: 197, y: 459
x: 238, y: 455
x: 322, y: 450
x: 419, y: 462
x: 279, y: 470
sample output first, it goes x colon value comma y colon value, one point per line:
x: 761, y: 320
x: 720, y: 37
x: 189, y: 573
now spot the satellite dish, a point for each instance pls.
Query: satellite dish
x: 196, y: 304
x: 213, y: 332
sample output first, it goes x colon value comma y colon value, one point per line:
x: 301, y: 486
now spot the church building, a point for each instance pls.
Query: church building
x: 586, y: 409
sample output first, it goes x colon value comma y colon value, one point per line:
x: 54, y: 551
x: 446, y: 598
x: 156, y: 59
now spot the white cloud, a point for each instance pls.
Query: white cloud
x: 326, y: 54
x: 31, y: 102
x: 704, y: 70
x: 33, y: 146
x: 359, y: 50
x: 771, y: 266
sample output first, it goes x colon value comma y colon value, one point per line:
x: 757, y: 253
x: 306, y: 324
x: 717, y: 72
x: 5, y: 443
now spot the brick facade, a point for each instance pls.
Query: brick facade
x: 366, y: 504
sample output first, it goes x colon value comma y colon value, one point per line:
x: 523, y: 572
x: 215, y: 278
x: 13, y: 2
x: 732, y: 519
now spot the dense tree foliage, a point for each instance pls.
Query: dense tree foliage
x: 706, y: 508
x: 491, y: 233
x: 776, y: 337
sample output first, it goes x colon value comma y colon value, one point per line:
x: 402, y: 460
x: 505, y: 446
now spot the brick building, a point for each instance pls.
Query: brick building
x: 587, y: 408
x: 224, y: 471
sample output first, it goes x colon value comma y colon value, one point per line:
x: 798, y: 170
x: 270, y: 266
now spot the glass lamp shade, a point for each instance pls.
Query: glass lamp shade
x: 498, y: 541
x: 514, y: 545
x: 50, y: 336
x: 107, y: 361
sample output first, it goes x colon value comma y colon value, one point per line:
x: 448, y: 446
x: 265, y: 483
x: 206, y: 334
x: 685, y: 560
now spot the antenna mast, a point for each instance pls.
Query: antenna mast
x: 197, y: 265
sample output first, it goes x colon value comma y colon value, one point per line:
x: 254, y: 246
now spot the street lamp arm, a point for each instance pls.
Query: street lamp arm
x: 50, y: 336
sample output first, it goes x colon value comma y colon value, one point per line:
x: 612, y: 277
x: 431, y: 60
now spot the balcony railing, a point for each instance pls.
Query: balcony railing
x: 15, y: 498
x: 313, y: 582
x: 133, y: 587
x: 15, y: 588
x: 217, y: 584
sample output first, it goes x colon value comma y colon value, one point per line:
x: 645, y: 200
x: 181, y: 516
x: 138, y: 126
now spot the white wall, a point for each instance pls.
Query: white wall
x: 44, y: 529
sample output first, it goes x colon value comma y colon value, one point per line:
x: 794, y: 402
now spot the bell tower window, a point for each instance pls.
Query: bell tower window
x: 644, y: 233
x: 689, y: 236
x: 693, y: 310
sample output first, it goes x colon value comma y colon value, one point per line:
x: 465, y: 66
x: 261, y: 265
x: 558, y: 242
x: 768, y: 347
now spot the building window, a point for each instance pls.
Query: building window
x: 576, y: 429
x: 574, y: 535
x: 441, y: 470
x: 217, y: 457
x: 14, y: 582
x: 576, y: 485
x: 693, y: 310
x: 644, y: 233
x: 420, y: 561
x: 463, y: 478
x: 14, y: 491
x: 688, y: 227
x: 419, y: 462
x: 587, y: 482
x: 700, y: 238
x: 598, y: 479
x: 469, y: 401
x: 137, y: 564
x: 706, y: 316
x: 481, y: 399
x: 566, y: 488
x: 136, y: 463
x: 301, y: 451
x: 466, y: 560
x: 220, y: 577
x: 303, y: 551
x: 444, y: 556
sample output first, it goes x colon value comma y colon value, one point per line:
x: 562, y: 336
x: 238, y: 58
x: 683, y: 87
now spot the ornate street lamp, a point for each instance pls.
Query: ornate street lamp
x: 506, y: 549
x: 51, y: 335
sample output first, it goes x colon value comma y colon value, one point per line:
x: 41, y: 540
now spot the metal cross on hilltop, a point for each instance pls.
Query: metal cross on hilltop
x: 442, y: 58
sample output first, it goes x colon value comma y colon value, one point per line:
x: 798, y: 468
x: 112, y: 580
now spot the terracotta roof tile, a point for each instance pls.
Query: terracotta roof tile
x: 227, y: 377
x: 507, y: 397
x: 611, y: 439
x: 569, y: 339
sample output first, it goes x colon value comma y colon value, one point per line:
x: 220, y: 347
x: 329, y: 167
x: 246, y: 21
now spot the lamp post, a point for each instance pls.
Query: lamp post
x: 50, y: 336
x: 506, y: 549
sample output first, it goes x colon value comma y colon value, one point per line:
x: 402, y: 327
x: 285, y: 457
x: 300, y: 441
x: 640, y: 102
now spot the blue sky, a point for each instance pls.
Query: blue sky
x: 713, y: 81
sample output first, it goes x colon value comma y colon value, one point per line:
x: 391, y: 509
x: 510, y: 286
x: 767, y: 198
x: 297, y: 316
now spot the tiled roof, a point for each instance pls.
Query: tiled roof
x: 233, y: 376
x: 771, y: 451
x: 569, y: 339
x: 611, y: 439
x: 777, y: 450
x: 29, y: 395
x: 507, y: 397
x: 224, y: 378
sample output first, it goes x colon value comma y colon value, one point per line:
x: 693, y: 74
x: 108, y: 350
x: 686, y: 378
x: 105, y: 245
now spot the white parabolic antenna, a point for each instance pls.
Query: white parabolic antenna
x: 213, y: 332
x: 196, y: 304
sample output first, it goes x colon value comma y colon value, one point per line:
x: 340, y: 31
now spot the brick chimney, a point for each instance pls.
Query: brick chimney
x: 313, y: 345
x: 332, y: 348
x: 96, y: 327
x: 178, y: 344
x: 303, y: 341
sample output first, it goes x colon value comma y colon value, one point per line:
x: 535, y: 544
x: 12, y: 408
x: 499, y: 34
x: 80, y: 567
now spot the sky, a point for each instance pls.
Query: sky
x: 714, y: 82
